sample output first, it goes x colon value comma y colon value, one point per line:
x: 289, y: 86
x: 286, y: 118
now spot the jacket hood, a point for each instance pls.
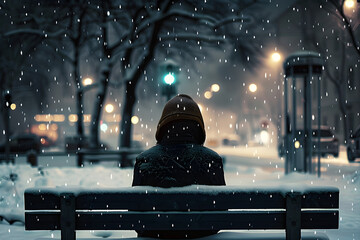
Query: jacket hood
x: 179, y: 108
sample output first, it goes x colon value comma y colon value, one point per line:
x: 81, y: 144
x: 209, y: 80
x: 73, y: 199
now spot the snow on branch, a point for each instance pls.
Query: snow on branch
x: 190, y: 36
x: 233, y: 19
x: 34, y: 32
x: 126, y: 46
x: 130, y: 73
x: 91, y: 86
x: 206, y: 19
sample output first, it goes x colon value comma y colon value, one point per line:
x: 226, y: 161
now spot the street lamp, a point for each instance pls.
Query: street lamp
x: 87, y: 81
x: 252, y: 87
x: 208, y: 94
x: 276, y: 57
x: 215, y: 87
x: 13, y: 106
x: 134, y: 120
x: 349, y: 3
x: 109, y: 108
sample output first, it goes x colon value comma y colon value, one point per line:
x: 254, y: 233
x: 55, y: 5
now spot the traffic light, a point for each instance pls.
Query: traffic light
x: 169, y: 71
x: 7, y: 98
x: 169, y: 78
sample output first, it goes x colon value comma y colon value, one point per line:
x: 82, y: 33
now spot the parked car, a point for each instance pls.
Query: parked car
x: 353, y: 148
x: 23, y: 143
x: 46, y: 142
x: 329, y: 144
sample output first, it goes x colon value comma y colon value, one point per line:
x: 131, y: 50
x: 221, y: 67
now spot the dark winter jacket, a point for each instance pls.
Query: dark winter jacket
x: 178, y: 165
x: 178, y: 160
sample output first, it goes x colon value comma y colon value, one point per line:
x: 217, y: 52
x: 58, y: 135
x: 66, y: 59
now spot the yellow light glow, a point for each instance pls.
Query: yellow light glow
x: 276, y: 57
x: 54, y: 127
x: 87, y: 117
x: 13, y: 106
x: 349, y: 3
x: 42, y: 117
x: 252, y: 87
x: 58, y: 118
x: 297, y: 144
x: 134, y: 120
x: 215, y: 87
x: 112, y: 118
x: 87, y: 81
x: 109, y: 108
x: 200, y: 107
x: 49, y: 118
x: 42, y: 127
x: 73, y: 118
x: 208, y: 94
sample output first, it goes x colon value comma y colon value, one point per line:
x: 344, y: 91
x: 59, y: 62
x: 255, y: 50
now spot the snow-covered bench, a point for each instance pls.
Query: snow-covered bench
x: 187, y: 208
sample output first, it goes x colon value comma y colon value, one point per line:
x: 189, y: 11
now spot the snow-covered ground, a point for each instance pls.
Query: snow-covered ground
x: 244, y: 167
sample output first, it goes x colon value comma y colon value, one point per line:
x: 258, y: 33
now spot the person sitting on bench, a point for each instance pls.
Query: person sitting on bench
x: 179, y: 157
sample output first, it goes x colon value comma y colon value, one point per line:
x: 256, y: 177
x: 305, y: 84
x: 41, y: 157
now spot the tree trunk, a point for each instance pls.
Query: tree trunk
x: 130, y: 96
x: 343, y: 110
x: 79, y: 97
x: 80, y: 113
x: 126, y: 126
x: 96, y: 114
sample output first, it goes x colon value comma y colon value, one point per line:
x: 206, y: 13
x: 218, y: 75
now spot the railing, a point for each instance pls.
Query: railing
x: 124, y: 156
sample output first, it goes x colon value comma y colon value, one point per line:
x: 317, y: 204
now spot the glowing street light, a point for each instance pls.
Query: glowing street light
x: 252, y: 87
x: 215, y: 87
x: 276, y: 57
x: 109, y: 108
x: 87, y: 81
x: 13, y: 106
x: 134, y: 120
x: 208, y: 94
x: 349, y: 3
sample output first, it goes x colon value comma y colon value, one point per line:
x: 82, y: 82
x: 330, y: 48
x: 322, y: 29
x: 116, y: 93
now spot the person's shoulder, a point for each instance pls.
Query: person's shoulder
x: 204, y: 151
x: 153, y: 151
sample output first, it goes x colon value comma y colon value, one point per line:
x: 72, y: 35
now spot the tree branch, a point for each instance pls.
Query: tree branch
x: 34, y: 32
x: 191, y: 37
x: 340, y: 8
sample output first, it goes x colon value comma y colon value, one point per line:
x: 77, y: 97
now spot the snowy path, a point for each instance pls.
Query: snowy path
x: 244, y: 167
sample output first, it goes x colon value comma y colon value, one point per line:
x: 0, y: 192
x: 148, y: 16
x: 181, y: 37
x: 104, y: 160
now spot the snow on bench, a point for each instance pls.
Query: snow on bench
x: 187, y: 208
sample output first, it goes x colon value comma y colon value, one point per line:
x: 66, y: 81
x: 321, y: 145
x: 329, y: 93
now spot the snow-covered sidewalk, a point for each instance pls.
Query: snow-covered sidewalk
x: 14, y: 179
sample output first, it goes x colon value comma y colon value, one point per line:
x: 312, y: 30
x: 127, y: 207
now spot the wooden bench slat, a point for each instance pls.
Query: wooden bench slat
x: 319, y: 219
x: 327, y: 219
x: 228, y: 199
x: 42, y: 221
x: 41, y: 201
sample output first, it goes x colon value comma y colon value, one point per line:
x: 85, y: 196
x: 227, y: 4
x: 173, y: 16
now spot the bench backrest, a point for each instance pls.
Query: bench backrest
x: 187, y: 208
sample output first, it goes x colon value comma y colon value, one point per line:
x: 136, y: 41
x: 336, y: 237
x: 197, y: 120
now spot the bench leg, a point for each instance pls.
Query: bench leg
x: 293, y: 216
x: 67, y: 217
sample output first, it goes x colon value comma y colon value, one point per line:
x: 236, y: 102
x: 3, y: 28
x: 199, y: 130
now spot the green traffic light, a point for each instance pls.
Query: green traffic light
x: 169, y: 79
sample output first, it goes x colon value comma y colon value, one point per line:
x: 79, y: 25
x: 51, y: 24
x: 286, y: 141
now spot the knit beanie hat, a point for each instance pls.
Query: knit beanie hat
x: 180, y: 107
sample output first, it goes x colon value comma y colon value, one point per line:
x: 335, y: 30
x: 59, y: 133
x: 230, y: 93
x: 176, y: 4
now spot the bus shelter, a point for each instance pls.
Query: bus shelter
x: 302, y: 115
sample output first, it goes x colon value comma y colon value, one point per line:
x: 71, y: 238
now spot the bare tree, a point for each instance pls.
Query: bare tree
x: 338, y: 11
x: 133, y: 33
x: 142, y: 27
x: 64, y: 28
x: 15, y: 70
x: 336, y: 70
